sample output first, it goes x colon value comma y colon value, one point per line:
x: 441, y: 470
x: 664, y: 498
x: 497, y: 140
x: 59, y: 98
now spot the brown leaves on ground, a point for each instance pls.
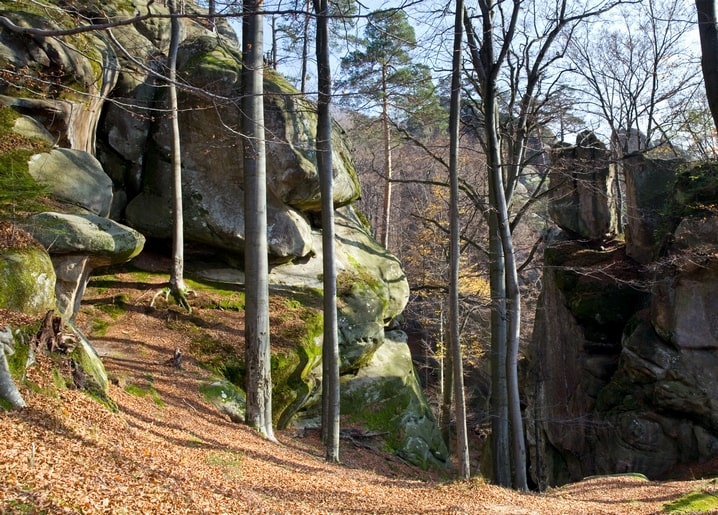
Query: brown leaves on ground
x: 171, y: 452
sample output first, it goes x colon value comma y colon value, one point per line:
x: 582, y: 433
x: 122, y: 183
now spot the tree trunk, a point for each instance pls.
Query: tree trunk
x: 462, y: 442
x: 305, y: 47
x: 708, y: 32
x: 386, y: 213
x: 212, y: 10
x: 330, y: 348
x: 177, y: 284
x: 447, y: 390
x: 257, y: 349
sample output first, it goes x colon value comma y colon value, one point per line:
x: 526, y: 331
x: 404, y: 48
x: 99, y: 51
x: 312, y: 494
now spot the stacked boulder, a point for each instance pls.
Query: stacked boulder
x: 621, y: 375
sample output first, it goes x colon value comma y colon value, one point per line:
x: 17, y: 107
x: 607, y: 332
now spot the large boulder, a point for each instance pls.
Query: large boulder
x: 385, y: 395
x: 212, y: 172
x: 75, y: 177
x: 582, y: 182
x: 79, y: 244
x: 83, y: 70
x: 27, y: 280
x: 574, y: 353
x: 649, y: 183
x: 621, y: 368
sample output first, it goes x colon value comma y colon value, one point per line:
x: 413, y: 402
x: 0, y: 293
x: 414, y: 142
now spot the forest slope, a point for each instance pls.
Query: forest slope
x: 167, y: 450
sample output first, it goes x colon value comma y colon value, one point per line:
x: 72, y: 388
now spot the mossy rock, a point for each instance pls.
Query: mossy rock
x: 27, y: 281
x: 226, y: 397
x: 385, y: 396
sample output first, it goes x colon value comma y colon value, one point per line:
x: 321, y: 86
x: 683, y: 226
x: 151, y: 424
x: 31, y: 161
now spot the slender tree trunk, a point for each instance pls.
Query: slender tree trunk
x: 462, y: 442
x: 500, y: 432
x: 212, y: 10
x: 708, y: 32
x: 447, y: 390
x: 386, y: 213
x: 501, y: 458
x: 177, y: 284
x: 273, y: 51
x: 257, y: 349
x: 330, y: 348
x: 305, y: 47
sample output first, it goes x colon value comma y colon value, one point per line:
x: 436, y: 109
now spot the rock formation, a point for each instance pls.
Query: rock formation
x: 621, y: 374
x: 104, y: 121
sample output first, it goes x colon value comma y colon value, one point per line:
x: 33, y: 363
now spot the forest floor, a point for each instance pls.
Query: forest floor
x: 166, y: 450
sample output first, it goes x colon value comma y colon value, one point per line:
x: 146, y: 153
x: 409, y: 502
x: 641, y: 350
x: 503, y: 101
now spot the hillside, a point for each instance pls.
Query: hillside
x: 166, y: 450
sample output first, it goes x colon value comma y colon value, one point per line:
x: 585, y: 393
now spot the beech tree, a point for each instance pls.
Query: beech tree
x: 708, y: 31
x: 330, y: 345
x: 258, y: 384
x: 462, y: 443
x: 178, y: 289
x: 512, y: 51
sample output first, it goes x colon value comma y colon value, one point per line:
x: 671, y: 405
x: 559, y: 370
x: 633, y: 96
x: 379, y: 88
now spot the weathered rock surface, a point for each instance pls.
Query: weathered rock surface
x: 75, y: 177
x: 649, y: 183
x: 78, y: 244
x: 109, y: 122
x: 386, y: 394
x: 622, y: 373
x: 581, y: 185
x: 27, y: 280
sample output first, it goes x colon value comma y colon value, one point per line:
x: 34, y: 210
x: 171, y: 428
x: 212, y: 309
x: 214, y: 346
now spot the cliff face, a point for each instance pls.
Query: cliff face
x: 97, y: 98
x: 622, y: 366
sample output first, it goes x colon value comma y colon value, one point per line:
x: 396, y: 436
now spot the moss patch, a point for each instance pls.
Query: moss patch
x: 20, y: 194
x: 694, y: 502
x: 140, y: 391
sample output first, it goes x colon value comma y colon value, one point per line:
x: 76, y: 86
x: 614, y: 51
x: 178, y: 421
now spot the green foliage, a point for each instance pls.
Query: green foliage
x: 384, y: 70
x: 697, y: 501
x: 219, y: 357
x: 116, y: 307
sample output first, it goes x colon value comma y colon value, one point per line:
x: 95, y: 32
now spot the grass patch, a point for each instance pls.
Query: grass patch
x: 116, y: 307
x: 139, y: 391
x: 23, y: 507
x: 697, y: 501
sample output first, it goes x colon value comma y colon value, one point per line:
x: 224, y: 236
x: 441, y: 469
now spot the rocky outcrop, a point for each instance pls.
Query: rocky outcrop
x: 27, y: 280
x: 385, y: 394
x: 649, y: 183
x: 621, y: 365
x: 105, y: 112
x: 78, y: 244
x: 581, y: 189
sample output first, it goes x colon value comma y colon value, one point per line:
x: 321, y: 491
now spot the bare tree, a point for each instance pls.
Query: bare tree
x: 708, y: 31
x: 462, y: 442
x: 178, y: 289
x: 330, y: 346
x: 635, y: 72
x: 511, y: 56
x: 256, y: 326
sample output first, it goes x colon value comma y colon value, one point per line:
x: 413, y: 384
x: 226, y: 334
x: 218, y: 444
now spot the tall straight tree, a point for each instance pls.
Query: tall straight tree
x: 178, y: 289
x: 462, y: 442
x: 256, y: 324
x: 330, y: 348
x: 382, y: 74
x: 708, y: 31
x: 513, y: 49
